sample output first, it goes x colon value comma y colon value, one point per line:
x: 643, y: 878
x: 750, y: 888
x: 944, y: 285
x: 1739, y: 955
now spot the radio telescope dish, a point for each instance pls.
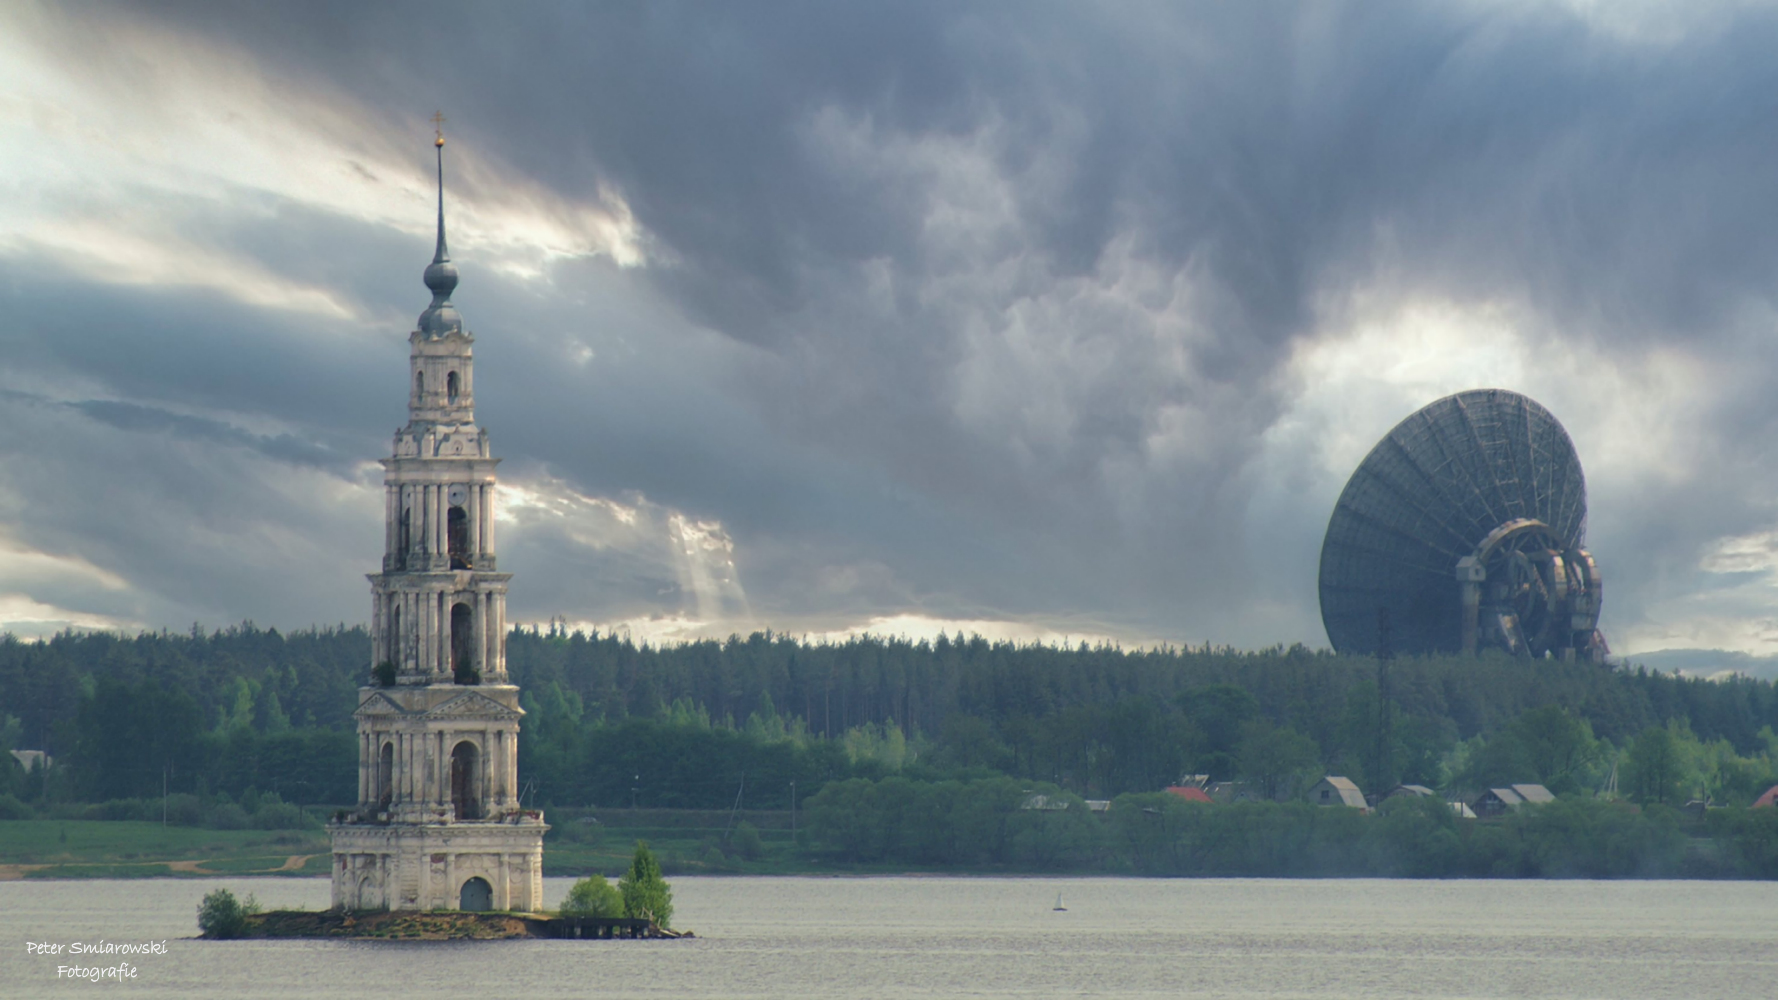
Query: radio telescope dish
x: 1463, y: 529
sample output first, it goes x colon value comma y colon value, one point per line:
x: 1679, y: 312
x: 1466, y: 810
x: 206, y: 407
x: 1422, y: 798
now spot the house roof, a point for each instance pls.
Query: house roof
x: 1506, y: 796
x: 1534, y: 793
x: 1348, y: 792
x: 1420, y: 790
x: 1770, y: 798
x: 1190, y: 794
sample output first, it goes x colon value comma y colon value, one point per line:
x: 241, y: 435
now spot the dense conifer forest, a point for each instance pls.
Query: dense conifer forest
x: 247, y: 710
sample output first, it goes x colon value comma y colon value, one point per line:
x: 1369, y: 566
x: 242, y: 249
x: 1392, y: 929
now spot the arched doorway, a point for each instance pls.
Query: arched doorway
x: 451, y: 387
x: 466, y: 781
x: 476, y: 894
x: 463, y: 668
x: 386, y: 776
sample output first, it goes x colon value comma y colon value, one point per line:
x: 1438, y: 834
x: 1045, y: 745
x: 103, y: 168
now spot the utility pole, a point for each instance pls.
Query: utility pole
x: 163, y: 795
x: 740, y: 790
x: 1384, y: 654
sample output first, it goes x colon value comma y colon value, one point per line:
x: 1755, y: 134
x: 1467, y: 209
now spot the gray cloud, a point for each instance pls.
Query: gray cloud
x: 982, y: 311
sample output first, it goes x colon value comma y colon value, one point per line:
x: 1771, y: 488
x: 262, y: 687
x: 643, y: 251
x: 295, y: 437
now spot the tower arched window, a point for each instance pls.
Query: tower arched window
x: 386, y: 776
x: 451, y: 386
x: 457, y: 536
x: 464, y: 669
x: 419, y: 384
x: 466, y: 781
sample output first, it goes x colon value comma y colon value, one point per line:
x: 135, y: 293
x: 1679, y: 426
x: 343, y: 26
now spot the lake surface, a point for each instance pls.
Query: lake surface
x: 963, y: 937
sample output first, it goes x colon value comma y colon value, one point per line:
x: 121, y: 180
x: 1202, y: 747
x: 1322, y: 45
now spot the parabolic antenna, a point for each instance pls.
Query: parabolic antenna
x: 1463, y: 529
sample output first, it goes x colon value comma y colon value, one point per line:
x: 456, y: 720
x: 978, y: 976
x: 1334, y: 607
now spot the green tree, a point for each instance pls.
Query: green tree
x: 745, y: 841
x: 1659, y: 765
x: 1415, y: 836
x: 1558, y: 746
x: 969, y: 741
x: 645, y: 893
x: 1061, y: 835
x: 1277, y: 759
x: 593, y: 897
x: 1217, y: 713
x: 129, y: 737
x: 223, y: 916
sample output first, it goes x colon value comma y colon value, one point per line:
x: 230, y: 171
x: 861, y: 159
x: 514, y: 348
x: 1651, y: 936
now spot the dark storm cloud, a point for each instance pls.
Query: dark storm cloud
x: 984, y: 308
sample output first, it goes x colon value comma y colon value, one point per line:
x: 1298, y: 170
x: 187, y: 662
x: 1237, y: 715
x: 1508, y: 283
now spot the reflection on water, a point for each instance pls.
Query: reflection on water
x: 950, y: 937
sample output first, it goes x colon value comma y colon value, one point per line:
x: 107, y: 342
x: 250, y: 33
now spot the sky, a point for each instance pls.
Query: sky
x: 1041, y: 321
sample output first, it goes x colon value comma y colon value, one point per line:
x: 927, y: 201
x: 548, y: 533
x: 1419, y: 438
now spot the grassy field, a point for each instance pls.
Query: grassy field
x: 48, y: 848
x: 686, y: 841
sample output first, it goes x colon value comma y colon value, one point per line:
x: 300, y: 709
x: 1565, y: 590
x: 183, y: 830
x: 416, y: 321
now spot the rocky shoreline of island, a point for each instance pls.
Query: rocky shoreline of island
x: 454, y: 925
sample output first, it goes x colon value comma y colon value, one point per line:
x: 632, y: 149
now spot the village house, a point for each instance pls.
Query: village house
x: 1497, y: 801
x: 1462, y: 809
x: 1337, y: 791
x: 32, y: 758
x: 1228, y: 792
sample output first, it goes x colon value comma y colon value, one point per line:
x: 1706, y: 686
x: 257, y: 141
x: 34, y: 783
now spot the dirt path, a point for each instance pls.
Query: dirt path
x: 293, y: 863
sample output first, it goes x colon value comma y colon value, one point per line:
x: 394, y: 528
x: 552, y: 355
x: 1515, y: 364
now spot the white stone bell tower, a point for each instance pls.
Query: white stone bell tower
x: 439, y: 823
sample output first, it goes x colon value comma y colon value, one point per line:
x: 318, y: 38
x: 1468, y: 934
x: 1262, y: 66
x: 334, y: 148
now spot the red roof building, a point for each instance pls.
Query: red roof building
x: 1770, y: 798
x: 1190, y: 794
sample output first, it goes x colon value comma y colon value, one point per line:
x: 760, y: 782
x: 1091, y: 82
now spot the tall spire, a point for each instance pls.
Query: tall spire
x: 443, y: 253
x: 440, y: 318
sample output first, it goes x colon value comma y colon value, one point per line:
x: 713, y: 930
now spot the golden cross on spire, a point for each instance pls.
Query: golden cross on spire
x: 438, y: 120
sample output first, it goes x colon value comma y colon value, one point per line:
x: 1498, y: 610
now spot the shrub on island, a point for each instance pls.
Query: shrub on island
x: 222, y: 916
x: 593, y: 897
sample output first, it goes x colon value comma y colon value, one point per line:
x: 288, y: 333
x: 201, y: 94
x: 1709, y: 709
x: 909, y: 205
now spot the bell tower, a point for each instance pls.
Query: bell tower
x: 439, y: 607
x: 438, y: 823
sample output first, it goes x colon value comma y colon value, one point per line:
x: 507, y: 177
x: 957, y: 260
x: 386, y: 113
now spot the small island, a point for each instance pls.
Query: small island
x: 639, y: 906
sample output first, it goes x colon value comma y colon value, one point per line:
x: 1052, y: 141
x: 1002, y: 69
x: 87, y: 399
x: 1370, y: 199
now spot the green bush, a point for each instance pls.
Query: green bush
x: 12, y: 808
x: 745, y: 841
x: 184, y: 809
x: 593, y: 897
x: 115, y: 810
x: 645, y: 893
x: 222, y: 916
x: 278, y: 816
x: 229, y: 816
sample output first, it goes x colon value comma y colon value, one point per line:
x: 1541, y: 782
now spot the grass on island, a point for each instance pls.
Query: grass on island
x: 50, y: 848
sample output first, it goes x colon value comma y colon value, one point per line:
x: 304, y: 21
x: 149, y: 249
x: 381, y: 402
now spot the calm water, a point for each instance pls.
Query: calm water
x: 949, y: 937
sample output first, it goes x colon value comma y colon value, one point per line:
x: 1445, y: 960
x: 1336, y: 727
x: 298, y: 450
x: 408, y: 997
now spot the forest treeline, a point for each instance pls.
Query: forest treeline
x: 611, y: 722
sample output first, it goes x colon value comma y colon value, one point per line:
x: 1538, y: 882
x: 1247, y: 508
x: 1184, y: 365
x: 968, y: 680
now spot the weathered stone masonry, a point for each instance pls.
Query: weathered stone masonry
x: 438, y: 824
